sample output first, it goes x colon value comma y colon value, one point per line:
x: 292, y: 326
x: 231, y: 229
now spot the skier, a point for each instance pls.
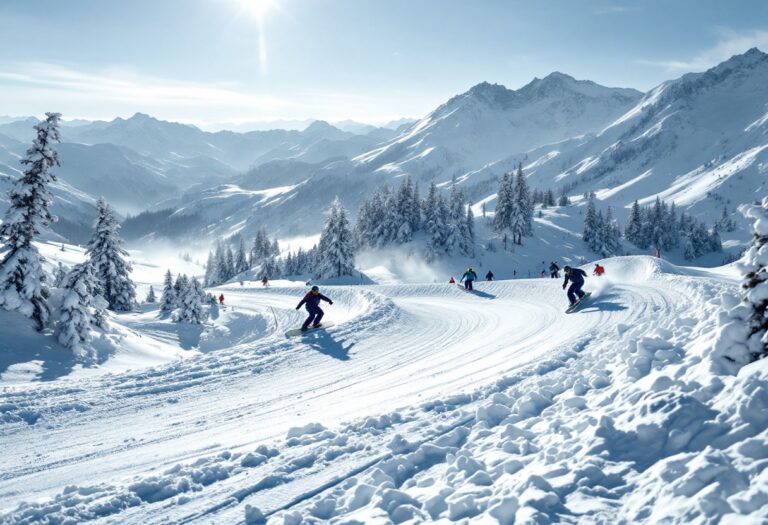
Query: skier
x: 468, y: 277
x: 576, y: 277
x: 221, y: 299
x: 312, y: 300
x: 554, y: 270
x: 599, y: 270
x: 452, y: 281
x: 489, y: 276
x: 264, y: 281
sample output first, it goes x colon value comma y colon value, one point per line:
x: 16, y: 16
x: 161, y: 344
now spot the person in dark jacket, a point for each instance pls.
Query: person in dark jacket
x: 469, y: 277
x: 554, y: 270
x: 489, y: 276
x: 312, y: 302
x: 576, y: 278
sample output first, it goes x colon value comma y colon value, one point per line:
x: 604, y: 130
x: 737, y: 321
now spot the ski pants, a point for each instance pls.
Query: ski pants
x: 315, y: 315
x: 574, y: 290
x: 554, y: 274
x: 468, y: 284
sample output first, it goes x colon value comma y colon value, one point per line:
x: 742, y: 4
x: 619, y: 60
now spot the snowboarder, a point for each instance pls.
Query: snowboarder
x: 599, y: 270
x: 554, y: 270
x: 576, y: 277
x: 489, y: 276
x: 221, y: 299
x: 452, y: 281
x: 312, y: 301
x: 469, y: 277
x: 264, y: 281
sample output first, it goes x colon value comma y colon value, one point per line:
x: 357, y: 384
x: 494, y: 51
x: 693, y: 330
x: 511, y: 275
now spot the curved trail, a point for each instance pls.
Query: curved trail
x: 393, y: 347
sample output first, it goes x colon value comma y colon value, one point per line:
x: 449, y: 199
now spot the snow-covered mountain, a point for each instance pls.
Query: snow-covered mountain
x: 489, y: 121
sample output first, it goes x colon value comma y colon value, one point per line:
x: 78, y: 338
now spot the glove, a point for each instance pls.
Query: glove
x: 330, y: 302
x: 563, y: 287
x: 297, y: 307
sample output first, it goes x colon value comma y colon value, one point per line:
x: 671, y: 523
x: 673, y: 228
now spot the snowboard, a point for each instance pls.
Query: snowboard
x: 578, y: 303
x: 297, y: 331
x: 461, y: 287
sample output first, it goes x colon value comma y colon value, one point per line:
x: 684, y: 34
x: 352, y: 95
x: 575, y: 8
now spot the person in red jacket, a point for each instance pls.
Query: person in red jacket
x: 221, y: 299
x: 599, y: 270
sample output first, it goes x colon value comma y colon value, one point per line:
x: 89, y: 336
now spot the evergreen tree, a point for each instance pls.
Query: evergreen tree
x: 522, y: 211
x: 470, y: 227
x: 182, y: 281
x: 270, y: 268
x: 505, y: 202
x: 634, y: 228
x: 111, y: 268
x: 60, y: 276
x: 151, y: 295
x: 755, y: 282
x: 22, y: 278
x: 168, y: 298
x: 591, y: 224
x: 191, y: 308
x: 81, y: 309
x: 336, y: 248
x: 275, y: 248
x: 241, y: 260
x: 210, y: 279
x: 229, y: 262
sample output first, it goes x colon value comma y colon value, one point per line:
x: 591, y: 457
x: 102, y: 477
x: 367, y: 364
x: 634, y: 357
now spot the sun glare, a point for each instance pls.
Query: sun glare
x: 258, y: 8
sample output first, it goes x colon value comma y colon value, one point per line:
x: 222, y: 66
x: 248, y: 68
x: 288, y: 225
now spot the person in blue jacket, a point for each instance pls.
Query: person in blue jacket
x: 312, y: 302
x: 469, y: 277
x: 576, y: 277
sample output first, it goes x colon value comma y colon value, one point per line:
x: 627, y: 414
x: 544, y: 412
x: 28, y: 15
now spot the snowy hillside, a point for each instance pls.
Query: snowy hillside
x: 423, y: 403
x: 489, y: 121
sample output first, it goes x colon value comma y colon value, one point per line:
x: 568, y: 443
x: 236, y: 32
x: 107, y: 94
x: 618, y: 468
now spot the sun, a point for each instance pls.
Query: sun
x: 258, y: 8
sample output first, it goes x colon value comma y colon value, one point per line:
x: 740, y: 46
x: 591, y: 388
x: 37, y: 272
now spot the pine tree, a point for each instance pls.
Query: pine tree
x: 591, y: 224
x: 505, y: 203
x: 470, y: 227
x: 81, y: 309
x: 60, y: 276
x: 210, y: 278
x: 755, y: 282
x: 151, y: 299
x: 634, y: 228
x: 336, y: 247
x: 522, y: 211
x: 111, y: 268
x: 168, y: 298
x: 270, y: 268
x: 241, y: 260
x: 191, y: 304
x: 22, y: 278
x: 229, y: 262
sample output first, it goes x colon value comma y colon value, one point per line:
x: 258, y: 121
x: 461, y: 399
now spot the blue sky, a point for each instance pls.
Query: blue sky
x: 216, y: 61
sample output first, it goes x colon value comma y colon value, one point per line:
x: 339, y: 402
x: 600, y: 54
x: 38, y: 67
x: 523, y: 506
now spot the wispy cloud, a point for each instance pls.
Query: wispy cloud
x: 730, y: 43
x: 121, y: 90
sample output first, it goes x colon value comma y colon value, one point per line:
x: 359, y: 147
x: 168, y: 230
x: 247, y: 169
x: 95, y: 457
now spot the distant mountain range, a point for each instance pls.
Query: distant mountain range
x: 700, y: 140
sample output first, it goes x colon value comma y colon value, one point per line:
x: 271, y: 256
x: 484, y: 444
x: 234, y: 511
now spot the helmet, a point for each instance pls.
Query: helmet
x: 315, y: 289
x: 567, y: 268
x: 470, y: 270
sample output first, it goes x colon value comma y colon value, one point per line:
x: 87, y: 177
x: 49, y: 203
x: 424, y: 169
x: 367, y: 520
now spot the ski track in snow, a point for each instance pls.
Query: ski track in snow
x: 414, y: 406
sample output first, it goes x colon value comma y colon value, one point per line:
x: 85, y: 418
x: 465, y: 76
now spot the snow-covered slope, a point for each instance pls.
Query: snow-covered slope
x: 489, y: 121
x: 700, y: 141
x: 423, y: 403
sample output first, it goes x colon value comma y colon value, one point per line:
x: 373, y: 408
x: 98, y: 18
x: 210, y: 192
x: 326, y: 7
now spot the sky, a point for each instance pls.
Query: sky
x: 218, y: 63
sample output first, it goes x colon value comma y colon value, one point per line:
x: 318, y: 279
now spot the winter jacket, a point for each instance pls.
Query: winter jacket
x: 576, y: 276
x: 313, y: 301
x: 469, y: 276
x: 489, y: 275
x: 554, y: 268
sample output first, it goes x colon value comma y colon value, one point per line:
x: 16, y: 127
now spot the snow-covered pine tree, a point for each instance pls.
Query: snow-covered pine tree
x: 210, y: 271
x: 456, y: 232
x: 191, y: 308
x: 270, y: 268
x: 275, y: 248
x: 634, y: 229
x: 612, y: 231
x: 336, y: 247
x: 80, y: 311
x: 229, y: 261
x: 591, y: 224
x: 470, y: 227
x: 241, y: 260
x: 522, y: 212
x: 60, y: 276
x: 151, y: 299
x: 505, y: 203
x: 22, y: 278
x: 182, y: 281
x: 715, y: 242
x: 168, y: 298
x: 742, y: 334
x: 405, y: 228
x: 108, y: 257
